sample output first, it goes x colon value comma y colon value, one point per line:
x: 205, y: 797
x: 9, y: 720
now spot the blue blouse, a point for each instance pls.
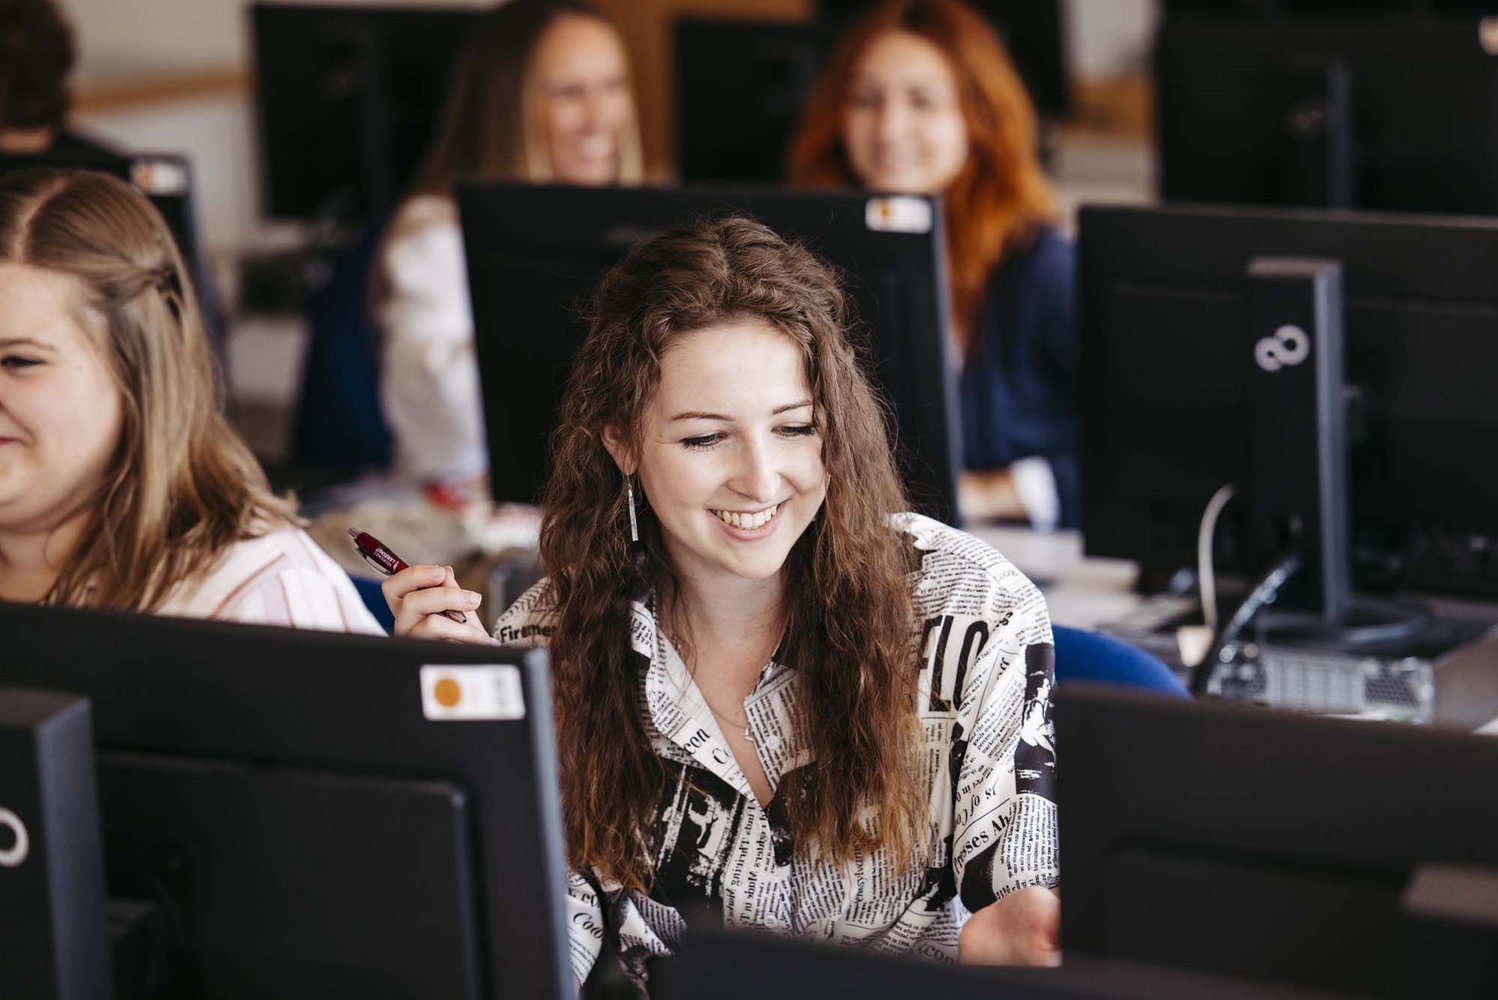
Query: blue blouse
x: 1018, y: 387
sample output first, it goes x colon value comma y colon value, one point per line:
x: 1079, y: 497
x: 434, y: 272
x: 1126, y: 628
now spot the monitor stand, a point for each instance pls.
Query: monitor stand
x: 53, y: 922
x: 1297, y: 498
x: 1318, y: 123
x: 1317, y: 646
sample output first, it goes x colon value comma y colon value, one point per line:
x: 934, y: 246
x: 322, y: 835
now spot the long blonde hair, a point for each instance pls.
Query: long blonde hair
x: 181, y: 486
x: 486, y: 131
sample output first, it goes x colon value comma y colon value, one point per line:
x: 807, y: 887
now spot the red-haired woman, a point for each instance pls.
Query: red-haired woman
x: 780, y: 701
x: 921, y: 98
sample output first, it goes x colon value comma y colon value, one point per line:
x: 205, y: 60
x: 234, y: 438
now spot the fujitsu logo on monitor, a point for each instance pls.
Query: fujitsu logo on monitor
x: 14, y: 855
x: 1288, y: 347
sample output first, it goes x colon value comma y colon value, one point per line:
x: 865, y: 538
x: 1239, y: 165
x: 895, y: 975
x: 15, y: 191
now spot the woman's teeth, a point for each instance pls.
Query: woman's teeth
x: 747, y: 522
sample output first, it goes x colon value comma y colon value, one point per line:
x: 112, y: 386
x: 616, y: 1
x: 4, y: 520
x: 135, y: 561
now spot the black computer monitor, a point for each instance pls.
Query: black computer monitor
x: 1170, y: 407
x: 748, y: 965
x: 1275, y: 846
x: 1282, y: 8
x: 348, y: 99
x: 742, y: 85
x: 1330, y: 111
x: 536, y: 253
x: 310, y: 814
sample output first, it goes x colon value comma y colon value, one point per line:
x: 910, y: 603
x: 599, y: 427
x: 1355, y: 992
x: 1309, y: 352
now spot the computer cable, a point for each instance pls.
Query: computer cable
x: 1193, y: 640
x: 1205, y: 536
x: 1263, y: 593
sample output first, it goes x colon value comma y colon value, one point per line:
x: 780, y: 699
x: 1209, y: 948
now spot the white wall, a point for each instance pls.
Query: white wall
x: 143, y: 37
x: 125, y: 39
x: 125, y: 43
x: 1109, y: 37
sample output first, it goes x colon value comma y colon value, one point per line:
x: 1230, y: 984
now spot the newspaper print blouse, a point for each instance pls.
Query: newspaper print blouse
x: 985, y: 661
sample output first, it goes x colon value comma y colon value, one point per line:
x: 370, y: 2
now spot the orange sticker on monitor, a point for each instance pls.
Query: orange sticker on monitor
x: 450, y: 693
x: 898, y: 213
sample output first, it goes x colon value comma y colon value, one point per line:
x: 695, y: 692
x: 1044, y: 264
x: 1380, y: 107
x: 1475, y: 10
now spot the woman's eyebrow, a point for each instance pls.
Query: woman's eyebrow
x: 700, y: 415
x: 27, y: 341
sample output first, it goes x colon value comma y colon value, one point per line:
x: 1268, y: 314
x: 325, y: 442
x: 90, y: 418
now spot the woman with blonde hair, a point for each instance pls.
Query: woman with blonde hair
x: 540, y: 94
x: 921, y: 97
x: 780, y: 701
x: 121, y: 485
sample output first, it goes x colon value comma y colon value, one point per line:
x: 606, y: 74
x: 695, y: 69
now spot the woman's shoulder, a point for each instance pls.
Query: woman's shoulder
x: 423, y: 224
x: 955, y: 570
x: 287, y: 541
x: 527, y: 622
x: 422, y: 268
x: 1045, y: 250
x: 277, y: 575
x: 280, y: 548
x: 1035, y: 280
x: 422, y: 212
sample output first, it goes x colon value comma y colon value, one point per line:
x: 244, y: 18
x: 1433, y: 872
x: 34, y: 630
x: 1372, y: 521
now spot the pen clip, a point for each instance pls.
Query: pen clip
x: 366, y: 554
x: 383, y: 570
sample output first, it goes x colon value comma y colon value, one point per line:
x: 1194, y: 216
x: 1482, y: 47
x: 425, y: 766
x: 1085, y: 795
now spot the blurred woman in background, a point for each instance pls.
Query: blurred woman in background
x: 921, y: 98
x: 541, y: 93
x: 121, y: 485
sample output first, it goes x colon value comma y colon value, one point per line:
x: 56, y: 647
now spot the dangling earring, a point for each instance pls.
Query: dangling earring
x: 629, y: 498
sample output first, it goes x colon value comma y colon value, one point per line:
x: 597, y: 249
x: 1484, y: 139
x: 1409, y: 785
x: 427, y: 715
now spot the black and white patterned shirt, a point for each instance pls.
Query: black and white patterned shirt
x: 985, y: 661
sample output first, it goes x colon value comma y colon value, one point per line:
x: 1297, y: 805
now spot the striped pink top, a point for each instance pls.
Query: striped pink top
x: 281, y: 578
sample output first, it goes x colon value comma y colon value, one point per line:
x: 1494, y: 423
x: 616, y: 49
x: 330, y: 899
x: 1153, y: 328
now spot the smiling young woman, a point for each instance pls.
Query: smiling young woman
x: 778, y: 697
x: 121, y: 485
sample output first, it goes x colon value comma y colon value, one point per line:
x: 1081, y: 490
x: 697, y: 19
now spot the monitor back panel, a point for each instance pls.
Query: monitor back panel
x: 223, y: 848
x: 348, y: 99
x: 1243, y: 841
x: 322, y: 733
x: 1166, y: 418
x: 535, y: 254
x: 1282, y: 79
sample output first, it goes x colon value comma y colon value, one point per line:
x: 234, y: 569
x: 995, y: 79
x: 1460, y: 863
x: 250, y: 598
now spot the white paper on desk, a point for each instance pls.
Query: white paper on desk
x: 454, y: 693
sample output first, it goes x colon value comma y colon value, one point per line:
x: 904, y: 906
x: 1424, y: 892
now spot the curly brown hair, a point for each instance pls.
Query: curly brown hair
x: 849, y: 632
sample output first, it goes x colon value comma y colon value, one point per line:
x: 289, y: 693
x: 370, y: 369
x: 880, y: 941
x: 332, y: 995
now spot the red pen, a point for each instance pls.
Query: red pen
x: 378, y: 555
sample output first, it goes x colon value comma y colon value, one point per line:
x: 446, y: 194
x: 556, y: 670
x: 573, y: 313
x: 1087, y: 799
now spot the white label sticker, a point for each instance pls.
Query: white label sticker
x: 468, y: 692
x: 898, y: 214
x: 161, y: 177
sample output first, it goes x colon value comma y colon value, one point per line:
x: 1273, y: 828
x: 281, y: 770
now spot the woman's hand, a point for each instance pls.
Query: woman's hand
x: 1023, y: 928
x: 418, y: 596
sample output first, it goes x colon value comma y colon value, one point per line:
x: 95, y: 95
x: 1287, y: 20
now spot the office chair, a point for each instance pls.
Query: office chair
x: 1092, y: 656
x: 374, y: 599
